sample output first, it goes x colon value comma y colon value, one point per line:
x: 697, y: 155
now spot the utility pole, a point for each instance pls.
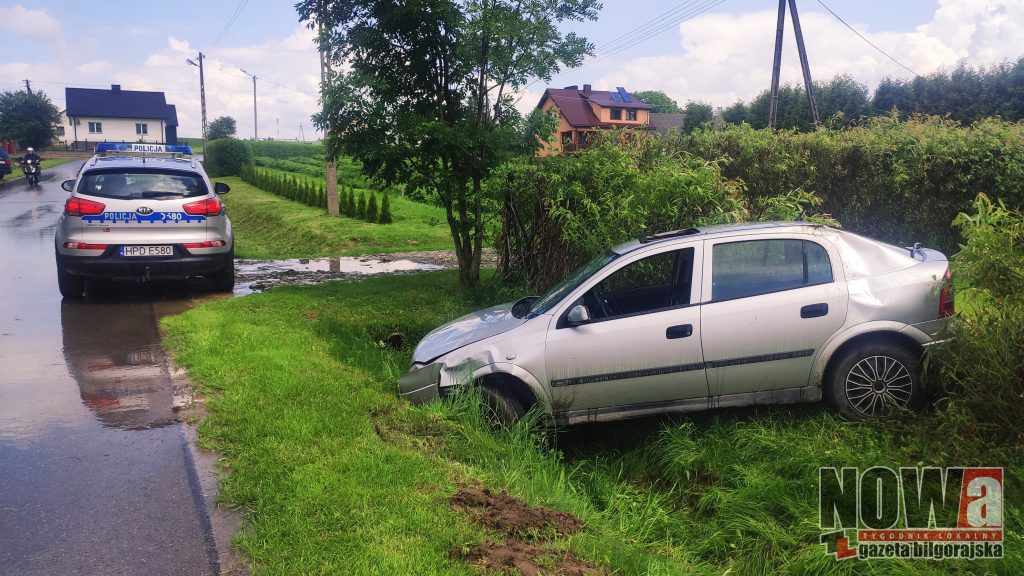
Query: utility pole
x: 255, y: 132
x: 773, y: 113
x: 202, y: 95
x: 28, y: 86
x: 302, y: 132
x: 331, y: 168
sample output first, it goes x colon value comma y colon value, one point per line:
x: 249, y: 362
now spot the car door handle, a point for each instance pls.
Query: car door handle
x: 814, y: 310
x: 681, y: 331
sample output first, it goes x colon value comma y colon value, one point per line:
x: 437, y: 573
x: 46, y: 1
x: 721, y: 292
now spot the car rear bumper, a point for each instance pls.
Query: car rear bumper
x: 113, y: 265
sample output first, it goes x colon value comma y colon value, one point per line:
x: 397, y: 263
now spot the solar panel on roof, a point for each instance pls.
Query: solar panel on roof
x: 615, y: 97
x: 624, y: 95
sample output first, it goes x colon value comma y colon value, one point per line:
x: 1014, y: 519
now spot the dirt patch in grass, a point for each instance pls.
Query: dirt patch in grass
x: 526, y: 529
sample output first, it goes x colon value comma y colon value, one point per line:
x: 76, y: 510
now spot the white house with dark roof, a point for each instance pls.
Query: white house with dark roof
x: 116, y: 115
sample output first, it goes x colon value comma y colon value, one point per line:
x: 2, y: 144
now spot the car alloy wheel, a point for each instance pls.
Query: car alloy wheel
x: 877, y: 383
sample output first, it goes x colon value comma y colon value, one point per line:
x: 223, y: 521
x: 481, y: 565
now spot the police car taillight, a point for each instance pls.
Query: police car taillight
x: 83, y: 207
x: 206, y: 244
x: 84, y: 246
x: 207, y: 207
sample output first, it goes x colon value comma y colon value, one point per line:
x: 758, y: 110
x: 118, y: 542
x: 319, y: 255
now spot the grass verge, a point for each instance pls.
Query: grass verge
x: 268, y: 227
x: 339, y: 476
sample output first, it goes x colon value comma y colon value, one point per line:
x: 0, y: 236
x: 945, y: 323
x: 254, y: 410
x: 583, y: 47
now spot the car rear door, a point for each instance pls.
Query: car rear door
x: 771, y: 302
x: 641, y: 351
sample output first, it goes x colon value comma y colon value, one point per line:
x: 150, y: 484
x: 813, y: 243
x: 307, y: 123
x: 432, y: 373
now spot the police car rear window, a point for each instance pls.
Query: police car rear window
x: 152, y: 184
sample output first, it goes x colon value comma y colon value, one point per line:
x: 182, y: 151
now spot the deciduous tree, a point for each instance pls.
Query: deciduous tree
x: 29, y: 118
x: 223, y: 127
x: 422, y: 91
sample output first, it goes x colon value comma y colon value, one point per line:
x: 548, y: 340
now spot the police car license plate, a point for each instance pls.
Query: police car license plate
x: 147, y: 251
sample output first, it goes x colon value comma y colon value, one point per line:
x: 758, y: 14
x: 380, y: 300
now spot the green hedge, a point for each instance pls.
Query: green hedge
x: 900, y: 181
x: 226, y: 157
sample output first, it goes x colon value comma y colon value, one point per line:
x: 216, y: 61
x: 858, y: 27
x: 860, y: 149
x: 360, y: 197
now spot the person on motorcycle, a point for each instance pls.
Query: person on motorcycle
x: 31, y: 156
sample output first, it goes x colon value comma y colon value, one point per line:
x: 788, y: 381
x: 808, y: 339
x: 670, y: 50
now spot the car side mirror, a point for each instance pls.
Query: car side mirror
x: 221, y: 188
x: 68, y: 185
x: 578, y: 315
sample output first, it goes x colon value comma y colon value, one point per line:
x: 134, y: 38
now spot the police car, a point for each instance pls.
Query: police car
x: 143, y: 211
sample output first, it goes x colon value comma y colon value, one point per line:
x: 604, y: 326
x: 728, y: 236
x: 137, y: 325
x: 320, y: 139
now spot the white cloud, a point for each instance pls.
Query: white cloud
x: 37, y: 24
x: 723, y: 57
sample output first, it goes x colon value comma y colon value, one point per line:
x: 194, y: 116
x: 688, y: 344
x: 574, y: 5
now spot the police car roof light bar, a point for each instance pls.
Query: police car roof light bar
x: 127, y: 149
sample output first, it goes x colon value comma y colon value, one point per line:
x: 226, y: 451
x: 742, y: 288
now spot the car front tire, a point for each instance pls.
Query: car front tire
x: 874, y: 381
x: 501, y: 408
x: 70, y: 286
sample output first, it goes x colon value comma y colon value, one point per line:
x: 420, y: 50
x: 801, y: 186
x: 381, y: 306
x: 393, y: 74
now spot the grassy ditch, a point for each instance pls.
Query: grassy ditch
x: 267, y: 226
x: 339, y: 476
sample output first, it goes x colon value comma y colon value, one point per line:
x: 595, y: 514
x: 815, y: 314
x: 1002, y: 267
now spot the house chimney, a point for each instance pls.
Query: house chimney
x: 573, y: 87
x: 586, y: 90
x: 115, y: 88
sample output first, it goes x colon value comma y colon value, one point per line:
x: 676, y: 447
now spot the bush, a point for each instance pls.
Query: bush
x: 371, y: 208
x: 226, y: 157
x: 983, y: 365
x: 385, y: 210
x: 361, y: 205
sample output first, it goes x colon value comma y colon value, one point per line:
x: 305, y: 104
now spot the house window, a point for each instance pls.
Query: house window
x: 583, y: 139
x: 60, y: 130
x: 141, y: 129
x: 631, y: 115
x: 95, y: 127
x: 616, y: 113
x: 566, y: 139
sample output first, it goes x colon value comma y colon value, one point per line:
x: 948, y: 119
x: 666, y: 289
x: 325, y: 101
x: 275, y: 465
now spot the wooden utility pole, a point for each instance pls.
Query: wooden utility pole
x: 331, y: 168
x: 255, y: 130
x: 28, y: 86
x: 773, y: 113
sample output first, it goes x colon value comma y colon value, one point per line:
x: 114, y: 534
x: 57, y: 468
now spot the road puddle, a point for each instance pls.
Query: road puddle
x: 258, y: 275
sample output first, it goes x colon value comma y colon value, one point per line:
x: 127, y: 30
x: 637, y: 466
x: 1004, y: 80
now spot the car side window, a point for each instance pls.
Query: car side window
x: 653, y: 283
x: 749, y: 268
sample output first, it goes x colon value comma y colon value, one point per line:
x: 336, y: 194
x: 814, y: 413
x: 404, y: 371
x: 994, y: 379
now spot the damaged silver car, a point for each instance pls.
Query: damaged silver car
x: 766, y: 313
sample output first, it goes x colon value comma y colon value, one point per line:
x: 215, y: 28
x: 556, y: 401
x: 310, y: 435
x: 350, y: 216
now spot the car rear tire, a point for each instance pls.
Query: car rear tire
x: 874, y: 381
x: 224, y: 281
x: 502, y: 409
x: 70, y: 286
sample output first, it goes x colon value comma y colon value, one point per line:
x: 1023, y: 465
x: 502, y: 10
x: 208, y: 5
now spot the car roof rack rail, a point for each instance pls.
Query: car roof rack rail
x: 669, y: 234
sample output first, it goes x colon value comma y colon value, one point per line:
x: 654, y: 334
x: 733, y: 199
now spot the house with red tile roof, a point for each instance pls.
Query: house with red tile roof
x: 582, y: 112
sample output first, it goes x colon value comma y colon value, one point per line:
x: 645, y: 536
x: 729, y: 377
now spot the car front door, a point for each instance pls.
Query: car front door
x: 640, y: 352
x: 770, y: 304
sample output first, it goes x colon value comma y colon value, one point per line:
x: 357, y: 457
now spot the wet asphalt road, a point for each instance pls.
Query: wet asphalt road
x: 96, y: 474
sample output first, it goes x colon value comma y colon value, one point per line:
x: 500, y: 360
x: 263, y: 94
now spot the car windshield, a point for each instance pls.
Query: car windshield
x: 153, y: 184
x: 556, y: 293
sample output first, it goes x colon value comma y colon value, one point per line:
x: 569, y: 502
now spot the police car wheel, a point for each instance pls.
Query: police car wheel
x: 224, y: 281
x: 70, y: 286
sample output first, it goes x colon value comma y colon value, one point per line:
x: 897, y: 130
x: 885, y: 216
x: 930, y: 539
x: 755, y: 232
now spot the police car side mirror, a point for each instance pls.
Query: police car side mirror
x: 68, y: 185
x: 221, y: 188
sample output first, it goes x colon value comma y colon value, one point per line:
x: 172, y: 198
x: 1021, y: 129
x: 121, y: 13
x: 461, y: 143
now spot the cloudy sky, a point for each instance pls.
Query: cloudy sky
x: 711, y: 50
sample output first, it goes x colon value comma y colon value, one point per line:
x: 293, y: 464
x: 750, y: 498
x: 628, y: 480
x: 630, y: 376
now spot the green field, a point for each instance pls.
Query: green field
x: 336, y: 474
x: 269, y: 227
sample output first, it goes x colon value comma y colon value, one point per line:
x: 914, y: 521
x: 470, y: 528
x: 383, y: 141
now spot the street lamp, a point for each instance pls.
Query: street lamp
x: 202, y: 94
x: 255, y: 132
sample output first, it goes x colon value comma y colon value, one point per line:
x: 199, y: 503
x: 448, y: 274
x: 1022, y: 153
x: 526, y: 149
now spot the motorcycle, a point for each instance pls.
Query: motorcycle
x: 32, y: 171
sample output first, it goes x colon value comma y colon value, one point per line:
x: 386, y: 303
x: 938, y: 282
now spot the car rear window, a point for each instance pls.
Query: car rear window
x: 152, y: 184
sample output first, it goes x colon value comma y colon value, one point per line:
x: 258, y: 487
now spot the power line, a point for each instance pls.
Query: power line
x: 231, y: 21
x: 657, y: 20
x: 884, y: 53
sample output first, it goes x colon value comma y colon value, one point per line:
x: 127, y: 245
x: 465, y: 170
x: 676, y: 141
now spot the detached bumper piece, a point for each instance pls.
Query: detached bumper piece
x: 421, y: 385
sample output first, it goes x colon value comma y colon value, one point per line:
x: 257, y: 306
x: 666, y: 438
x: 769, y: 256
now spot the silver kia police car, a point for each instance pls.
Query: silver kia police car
x: 143, y: 211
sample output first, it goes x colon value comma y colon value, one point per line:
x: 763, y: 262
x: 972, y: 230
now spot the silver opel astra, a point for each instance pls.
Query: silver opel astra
x: 762, y: 313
